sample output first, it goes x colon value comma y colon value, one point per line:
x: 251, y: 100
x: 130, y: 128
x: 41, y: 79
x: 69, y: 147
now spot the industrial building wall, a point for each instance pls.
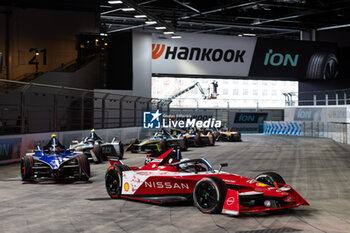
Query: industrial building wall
x: 43, y: 37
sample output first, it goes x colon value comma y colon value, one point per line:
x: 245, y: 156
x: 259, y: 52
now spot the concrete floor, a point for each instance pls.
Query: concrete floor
x: 319, y: 169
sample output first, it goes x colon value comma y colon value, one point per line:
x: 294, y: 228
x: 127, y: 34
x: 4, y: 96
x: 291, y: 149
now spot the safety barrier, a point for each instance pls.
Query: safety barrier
x: 13, y: 147
x: 281, y: 127
x: 338, y: 131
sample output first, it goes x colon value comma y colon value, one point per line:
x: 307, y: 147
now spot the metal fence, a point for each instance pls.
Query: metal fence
x: 33, y: 107
x: 325, y: 97
x: 338, y: 131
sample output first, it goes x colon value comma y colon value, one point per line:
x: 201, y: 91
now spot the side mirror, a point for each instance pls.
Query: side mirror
x: 222, y: 165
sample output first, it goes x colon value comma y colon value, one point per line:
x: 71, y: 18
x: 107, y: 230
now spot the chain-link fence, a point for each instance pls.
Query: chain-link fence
x: 32, y: 107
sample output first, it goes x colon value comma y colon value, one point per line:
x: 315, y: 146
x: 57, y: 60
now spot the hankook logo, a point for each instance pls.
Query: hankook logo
x: 157, y: 50
x: 197, y: 54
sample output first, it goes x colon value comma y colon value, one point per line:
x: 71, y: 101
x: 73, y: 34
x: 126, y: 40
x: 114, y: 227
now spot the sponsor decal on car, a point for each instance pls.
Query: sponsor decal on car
x: 126, y: 186
x: 166, y: 185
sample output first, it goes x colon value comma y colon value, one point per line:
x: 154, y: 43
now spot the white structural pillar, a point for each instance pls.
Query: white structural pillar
x: 315, y: 100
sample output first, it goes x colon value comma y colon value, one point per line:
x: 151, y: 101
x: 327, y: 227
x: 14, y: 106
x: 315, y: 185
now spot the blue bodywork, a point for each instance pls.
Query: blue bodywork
x: 55, y: 160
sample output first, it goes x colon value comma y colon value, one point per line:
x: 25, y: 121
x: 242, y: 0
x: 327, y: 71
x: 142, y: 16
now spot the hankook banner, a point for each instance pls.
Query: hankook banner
x: 231, y: 56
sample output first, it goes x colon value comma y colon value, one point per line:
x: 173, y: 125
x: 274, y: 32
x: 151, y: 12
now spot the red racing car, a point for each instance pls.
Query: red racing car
x: 168, y: 178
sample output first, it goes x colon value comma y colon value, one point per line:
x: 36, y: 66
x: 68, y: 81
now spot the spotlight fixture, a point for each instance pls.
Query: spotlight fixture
x: 176, y: 37
x: 115, y: 2
x: 160, y: 28
x: 249, y: 34
x: 168, y: 33
x: 140, y: 16
x: 128, y: 9
x: 150, y: 22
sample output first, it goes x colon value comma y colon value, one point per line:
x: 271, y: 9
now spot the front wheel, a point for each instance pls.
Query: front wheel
x: 209, y: 195
x: 27, y: 172
x: 114, y: 181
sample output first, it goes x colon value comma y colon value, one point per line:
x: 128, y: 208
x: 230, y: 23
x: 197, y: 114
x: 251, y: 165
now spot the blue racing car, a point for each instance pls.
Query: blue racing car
x: 53, y: 161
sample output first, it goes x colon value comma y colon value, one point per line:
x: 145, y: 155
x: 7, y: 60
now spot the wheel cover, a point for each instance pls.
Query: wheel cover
x: 206, y: 195
x: 112, y: 183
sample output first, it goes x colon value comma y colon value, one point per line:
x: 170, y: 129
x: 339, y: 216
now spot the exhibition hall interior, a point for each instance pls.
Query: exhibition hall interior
x: 174, y: 116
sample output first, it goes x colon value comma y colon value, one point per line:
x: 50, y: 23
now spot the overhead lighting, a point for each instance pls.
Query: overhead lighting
x: 150, y: 22
x: 167, y: 33
x: 103, y: 34
x: 140, y: 16
x: 128, y: 9
x: 160, y: 28
x: 115, y: 2
x: 249, y: 34
x: 176, y: 37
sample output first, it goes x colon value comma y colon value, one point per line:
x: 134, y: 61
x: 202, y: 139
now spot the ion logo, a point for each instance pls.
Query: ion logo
x: 151, y: 120
x: 277, y: 59
x: 157, y: 50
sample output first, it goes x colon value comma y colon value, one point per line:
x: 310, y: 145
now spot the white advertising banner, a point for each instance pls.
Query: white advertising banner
x: 202, y: 54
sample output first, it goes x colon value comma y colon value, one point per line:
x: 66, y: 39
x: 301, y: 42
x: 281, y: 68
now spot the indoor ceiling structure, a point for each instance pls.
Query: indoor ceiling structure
x: 263, y: 18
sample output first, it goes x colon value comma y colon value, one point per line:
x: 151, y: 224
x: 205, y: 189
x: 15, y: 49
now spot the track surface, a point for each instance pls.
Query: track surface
x: 319, y: 169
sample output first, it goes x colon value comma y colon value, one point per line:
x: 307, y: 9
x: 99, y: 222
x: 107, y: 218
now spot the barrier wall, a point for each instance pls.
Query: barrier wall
x: 338, y: 131
x: 13, y: 147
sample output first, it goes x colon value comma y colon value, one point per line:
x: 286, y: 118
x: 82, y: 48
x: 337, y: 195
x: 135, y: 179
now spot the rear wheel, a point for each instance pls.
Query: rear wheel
x: 113, y: 180
x: 197, y: 140
x: 270, y: 178
x: 209, y: 195
x: 97, y: 151
x: 27, y: 172
x: 84, y: 167
x: 184, y: 144
x: 211, y: 140
x: 133, y: 148
x: 121, y: 149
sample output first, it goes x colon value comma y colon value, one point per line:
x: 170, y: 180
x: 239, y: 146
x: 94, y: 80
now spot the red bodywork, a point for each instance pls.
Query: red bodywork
x: 160, y: 182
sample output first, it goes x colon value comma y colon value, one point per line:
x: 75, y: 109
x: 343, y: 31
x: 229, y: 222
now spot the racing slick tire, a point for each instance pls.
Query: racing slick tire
x: 84, y: 167
x: 270, y: 178
x: 209, y: 195
x: 113, y: 180
x: 121, y: 150
x: 133, y: 142
x: 211, y: 140
x: 97, y: 151
x: 27, y: 172
x: 184, y: 145
x: 197, y: 140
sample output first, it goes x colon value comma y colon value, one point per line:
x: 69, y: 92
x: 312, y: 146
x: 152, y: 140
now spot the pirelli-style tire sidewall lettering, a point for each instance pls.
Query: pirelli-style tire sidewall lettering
x: 220, y: 190
x: 269, y: 178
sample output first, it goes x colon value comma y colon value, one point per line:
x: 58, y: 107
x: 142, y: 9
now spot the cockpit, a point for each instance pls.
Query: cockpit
x: 193, y: 165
